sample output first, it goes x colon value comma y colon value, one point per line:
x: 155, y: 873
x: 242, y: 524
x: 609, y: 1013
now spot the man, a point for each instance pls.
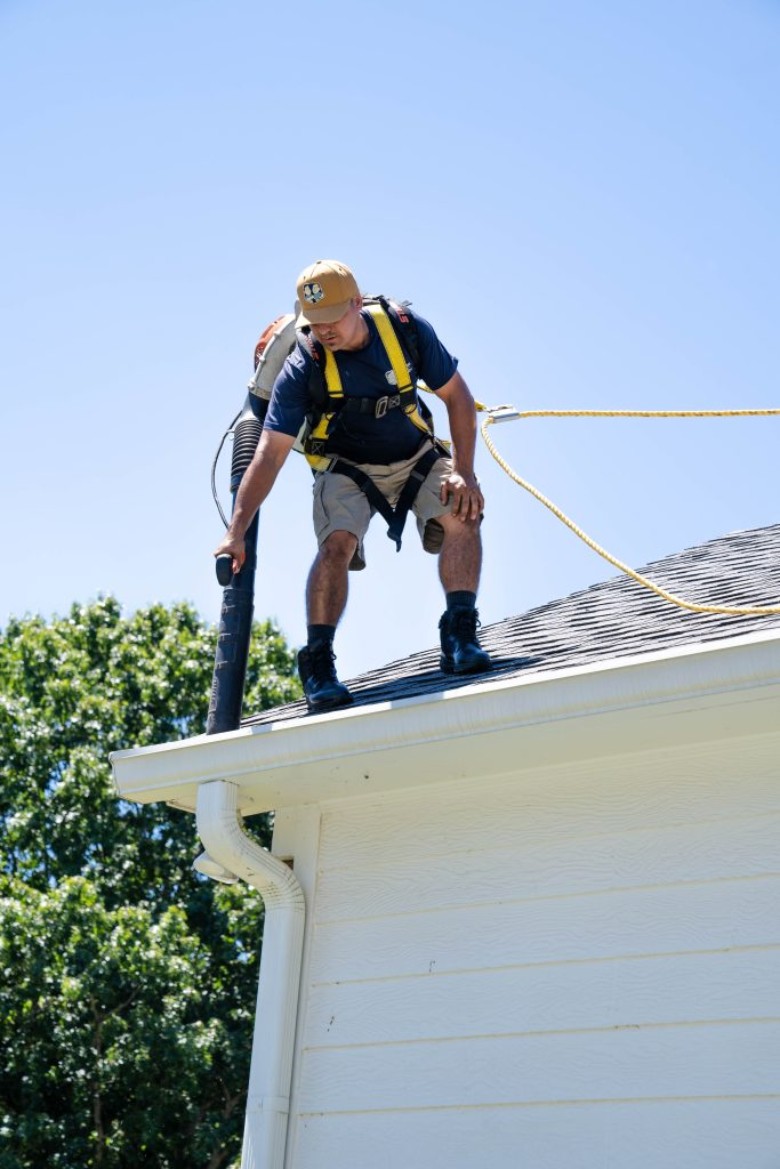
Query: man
x: 373, y: 441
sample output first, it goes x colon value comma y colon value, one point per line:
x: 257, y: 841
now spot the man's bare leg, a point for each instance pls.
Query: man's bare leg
x: 327, y: 586
x: 460, y: 564
x: 460, y: 559
x: 326, y: 600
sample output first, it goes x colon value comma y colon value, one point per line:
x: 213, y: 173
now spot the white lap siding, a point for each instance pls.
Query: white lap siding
x: 575, y: 968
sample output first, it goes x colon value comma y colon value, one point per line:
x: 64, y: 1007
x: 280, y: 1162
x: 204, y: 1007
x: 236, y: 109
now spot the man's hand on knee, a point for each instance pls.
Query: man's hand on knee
x: 465, y: 496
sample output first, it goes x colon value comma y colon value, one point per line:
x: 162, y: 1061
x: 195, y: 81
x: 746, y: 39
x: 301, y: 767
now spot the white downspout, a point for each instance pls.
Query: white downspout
x: 268, y: 1100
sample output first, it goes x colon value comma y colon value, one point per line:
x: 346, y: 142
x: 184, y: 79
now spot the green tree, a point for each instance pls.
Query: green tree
x: 127, y: 982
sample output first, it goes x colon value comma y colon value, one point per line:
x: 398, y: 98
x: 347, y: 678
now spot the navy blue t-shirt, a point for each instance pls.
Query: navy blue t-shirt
x: 365, y: 373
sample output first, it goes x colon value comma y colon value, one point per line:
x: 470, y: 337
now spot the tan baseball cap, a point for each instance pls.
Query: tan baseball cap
x: 324, y: 291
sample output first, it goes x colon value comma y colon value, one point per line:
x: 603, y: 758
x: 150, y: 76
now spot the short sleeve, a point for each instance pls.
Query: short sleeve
x: 289, y: 402
x: 435, y: 365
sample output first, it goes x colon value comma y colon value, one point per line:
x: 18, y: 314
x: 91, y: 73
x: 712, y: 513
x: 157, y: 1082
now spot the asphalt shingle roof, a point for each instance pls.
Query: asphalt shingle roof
x: 616, y: 618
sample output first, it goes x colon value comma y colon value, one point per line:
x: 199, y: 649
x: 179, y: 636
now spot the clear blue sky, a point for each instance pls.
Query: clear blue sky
x: 582, y: 197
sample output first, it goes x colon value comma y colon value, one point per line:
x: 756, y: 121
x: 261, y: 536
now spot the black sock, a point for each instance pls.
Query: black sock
x: 461, y: 600
x: 320, y: 635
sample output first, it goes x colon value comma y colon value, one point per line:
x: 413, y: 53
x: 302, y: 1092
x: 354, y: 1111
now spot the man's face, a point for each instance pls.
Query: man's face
x: 348, y: 332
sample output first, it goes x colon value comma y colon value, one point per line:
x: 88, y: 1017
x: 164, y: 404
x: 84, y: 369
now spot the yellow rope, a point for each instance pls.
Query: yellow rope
x: 629, y: 413
x: 509, y: 412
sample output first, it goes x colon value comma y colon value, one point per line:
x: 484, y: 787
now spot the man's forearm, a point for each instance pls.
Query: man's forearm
x: 256, y: 484
x: 463, y: 432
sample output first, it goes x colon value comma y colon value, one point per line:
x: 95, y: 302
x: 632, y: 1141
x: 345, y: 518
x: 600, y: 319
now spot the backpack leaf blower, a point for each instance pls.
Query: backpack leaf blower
x: 235, y: 622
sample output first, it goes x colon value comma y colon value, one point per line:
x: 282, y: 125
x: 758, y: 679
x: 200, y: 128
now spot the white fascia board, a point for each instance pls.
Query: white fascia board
x: 721, y: 690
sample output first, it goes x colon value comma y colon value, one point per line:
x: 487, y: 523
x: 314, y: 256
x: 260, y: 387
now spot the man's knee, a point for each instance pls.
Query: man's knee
x: 455, y: 529
x: 338, y: 547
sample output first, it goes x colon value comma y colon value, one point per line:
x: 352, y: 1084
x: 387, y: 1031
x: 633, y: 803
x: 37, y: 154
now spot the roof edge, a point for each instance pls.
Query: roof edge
x: 609, y: 707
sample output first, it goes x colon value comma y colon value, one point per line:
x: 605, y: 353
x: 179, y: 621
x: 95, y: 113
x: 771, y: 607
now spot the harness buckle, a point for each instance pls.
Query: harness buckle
x: 389, y: 402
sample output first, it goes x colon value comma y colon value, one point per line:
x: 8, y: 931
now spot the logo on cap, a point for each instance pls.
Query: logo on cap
x: 312, y: 292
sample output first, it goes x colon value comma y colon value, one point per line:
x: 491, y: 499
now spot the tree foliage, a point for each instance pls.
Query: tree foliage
x: 127, y: 982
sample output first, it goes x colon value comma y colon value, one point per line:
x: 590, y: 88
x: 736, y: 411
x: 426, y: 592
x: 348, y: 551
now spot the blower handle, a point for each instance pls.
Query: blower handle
x: 224, y: 568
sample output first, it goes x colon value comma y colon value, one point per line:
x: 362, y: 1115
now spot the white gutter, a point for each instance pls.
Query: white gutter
x: 268, y: 1100
x: 719, y: 690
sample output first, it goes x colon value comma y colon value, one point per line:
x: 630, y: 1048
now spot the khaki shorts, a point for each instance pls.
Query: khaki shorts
x: 340, y: 505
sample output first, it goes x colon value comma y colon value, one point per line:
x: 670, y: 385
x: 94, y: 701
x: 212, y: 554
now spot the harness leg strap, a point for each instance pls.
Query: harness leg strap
x: 369, y: 489
x: 395, y: 518
x: 409, y: 494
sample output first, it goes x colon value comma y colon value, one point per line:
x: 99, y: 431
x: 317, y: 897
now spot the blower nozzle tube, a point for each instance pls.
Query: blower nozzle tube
x: 235, y: 622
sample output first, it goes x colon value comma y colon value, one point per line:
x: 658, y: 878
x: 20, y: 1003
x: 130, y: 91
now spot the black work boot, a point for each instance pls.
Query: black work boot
x: 461, y: 652
x: 318, y: 674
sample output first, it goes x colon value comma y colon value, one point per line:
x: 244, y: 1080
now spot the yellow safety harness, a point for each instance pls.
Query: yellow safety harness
x: 404, y: 398
x: 323, y: 432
